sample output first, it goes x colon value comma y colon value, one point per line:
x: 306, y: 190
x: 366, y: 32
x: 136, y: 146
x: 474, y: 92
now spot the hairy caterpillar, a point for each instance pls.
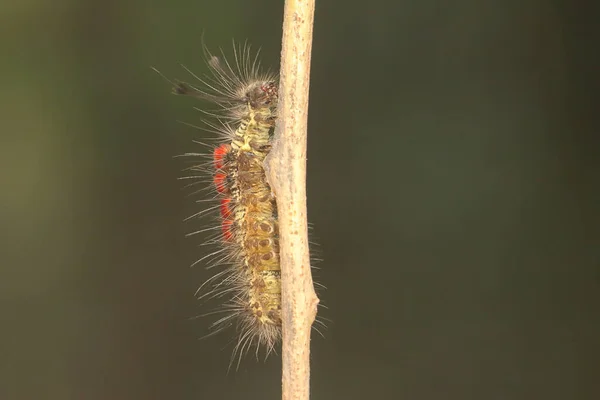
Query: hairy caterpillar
x: 247, y: 233
x: 247, y: 238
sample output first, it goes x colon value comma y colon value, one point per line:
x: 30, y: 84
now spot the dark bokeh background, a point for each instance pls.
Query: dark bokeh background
x: 453, y: 185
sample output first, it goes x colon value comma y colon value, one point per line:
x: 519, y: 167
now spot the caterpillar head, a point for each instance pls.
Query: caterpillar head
x: 261, y: 94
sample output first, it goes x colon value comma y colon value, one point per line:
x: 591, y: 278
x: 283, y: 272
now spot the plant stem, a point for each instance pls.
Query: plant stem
x: 286, y: 171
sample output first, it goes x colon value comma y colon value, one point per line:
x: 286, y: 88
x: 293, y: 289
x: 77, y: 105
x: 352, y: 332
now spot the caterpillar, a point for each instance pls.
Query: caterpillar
x: 248, y: 233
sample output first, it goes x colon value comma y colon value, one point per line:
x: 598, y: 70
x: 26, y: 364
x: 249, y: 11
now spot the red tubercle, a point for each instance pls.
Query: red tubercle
x: 219, y: 155
x: 220, y: 180
x: 226, y: 227
x: 225, y: 210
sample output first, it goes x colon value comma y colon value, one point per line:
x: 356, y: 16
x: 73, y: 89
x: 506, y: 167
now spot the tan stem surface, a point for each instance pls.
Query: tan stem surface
x: 286, y: 169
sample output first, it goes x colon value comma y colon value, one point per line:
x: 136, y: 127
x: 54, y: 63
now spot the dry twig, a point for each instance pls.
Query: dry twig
x: 286, y: 169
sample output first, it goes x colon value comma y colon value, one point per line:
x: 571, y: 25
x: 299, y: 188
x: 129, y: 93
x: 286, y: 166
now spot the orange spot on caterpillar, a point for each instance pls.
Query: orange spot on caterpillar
x: 219, y: 155
x: 225, y: 211
x: 220, y: 181
x: 226, y: 227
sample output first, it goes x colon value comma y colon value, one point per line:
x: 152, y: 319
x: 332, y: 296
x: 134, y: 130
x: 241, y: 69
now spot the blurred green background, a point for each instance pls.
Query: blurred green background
x: 453, y: 185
